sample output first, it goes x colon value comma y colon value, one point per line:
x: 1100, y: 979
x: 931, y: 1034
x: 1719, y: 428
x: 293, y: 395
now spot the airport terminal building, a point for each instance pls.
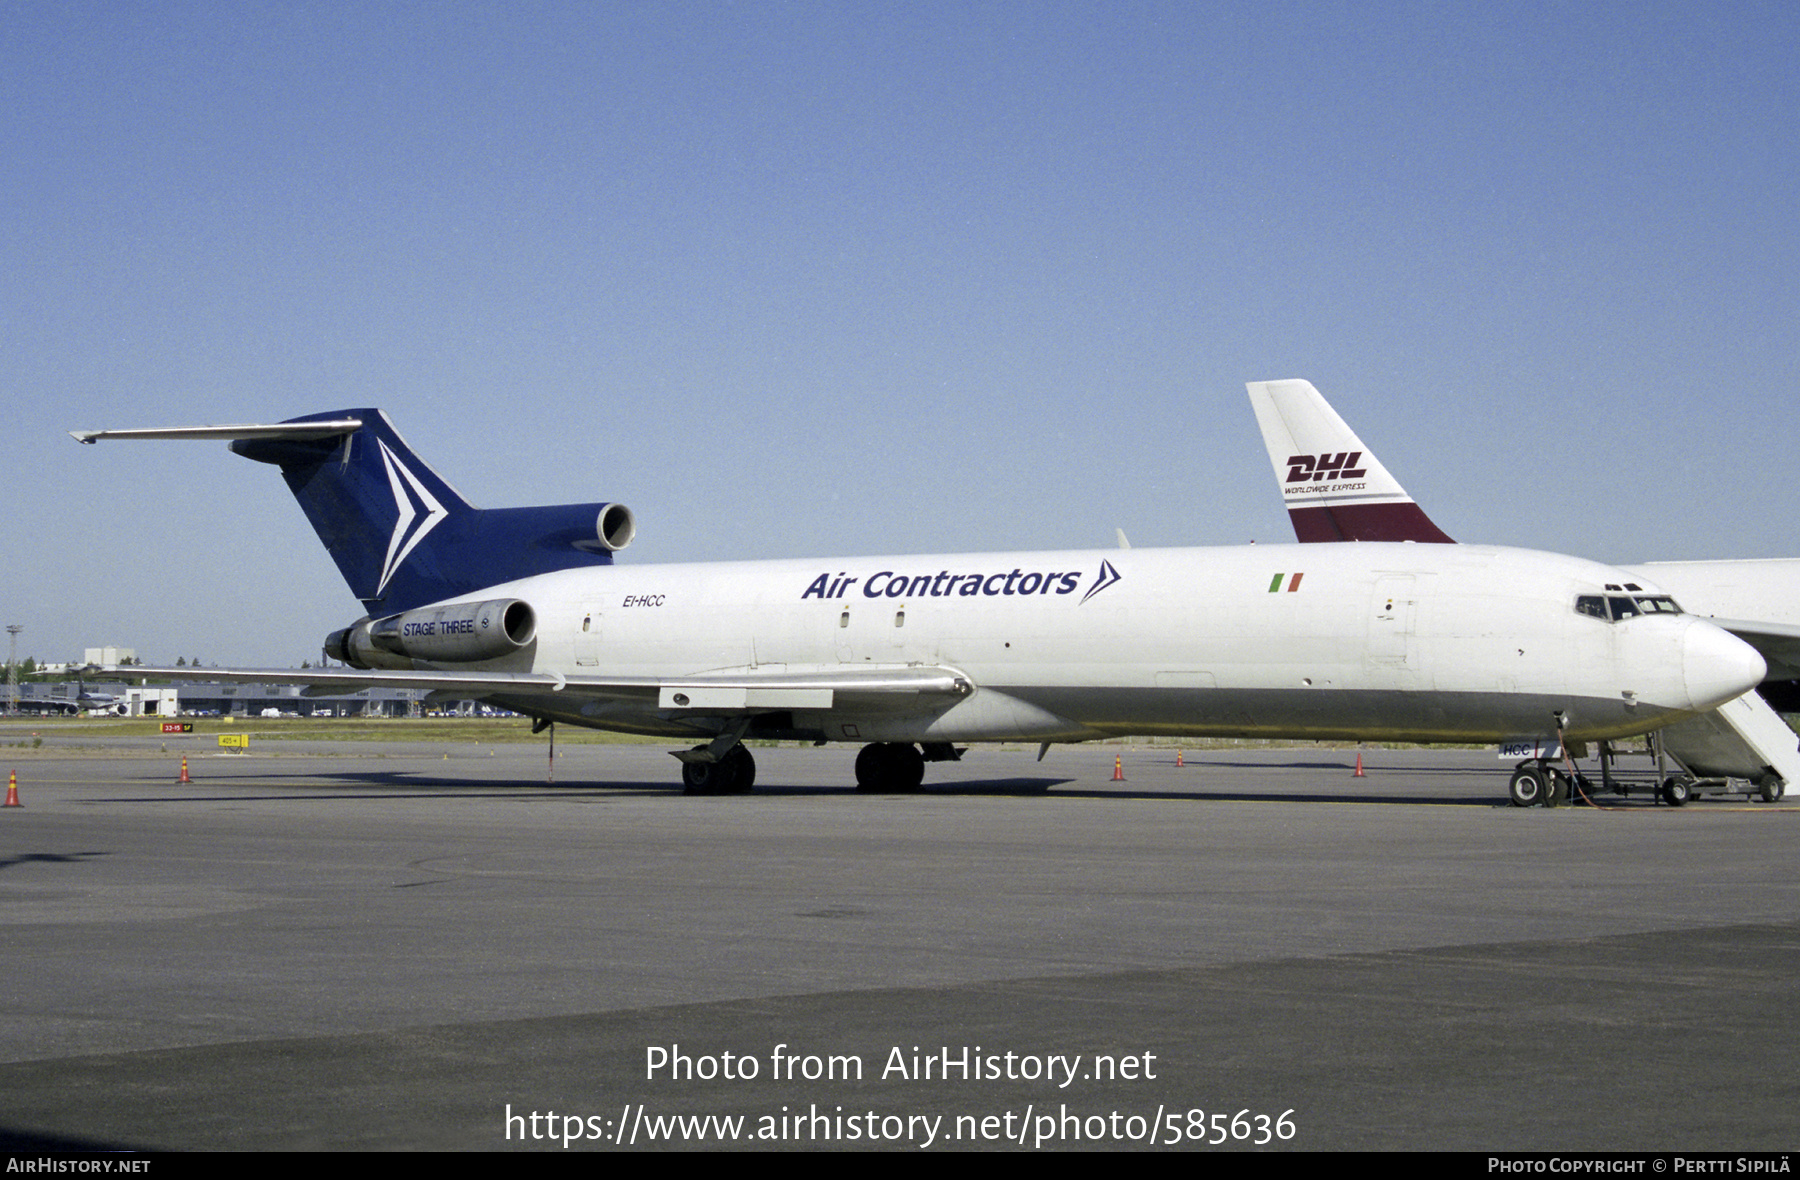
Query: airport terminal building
x: 199, y: 698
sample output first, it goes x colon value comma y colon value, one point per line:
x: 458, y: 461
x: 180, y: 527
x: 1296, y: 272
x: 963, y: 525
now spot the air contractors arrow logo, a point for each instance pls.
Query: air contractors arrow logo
x: 1106, y: 577
x: 419, y: 514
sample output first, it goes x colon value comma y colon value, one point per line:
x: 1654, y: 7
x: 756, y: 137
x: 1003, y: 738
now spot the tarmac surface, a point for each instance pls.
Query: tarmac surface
x: 398, y: 946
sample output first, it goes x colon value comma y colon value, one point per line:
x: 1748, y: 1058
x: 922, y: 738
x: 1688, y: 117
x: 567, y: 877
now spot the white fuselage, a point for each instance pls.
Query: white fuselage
x: 1391, y: 641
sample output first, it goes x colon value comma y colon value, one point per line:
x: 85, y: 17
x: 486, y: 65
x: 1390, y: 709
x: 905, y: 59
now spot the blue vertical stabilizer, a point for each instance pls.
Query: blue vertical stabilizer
x: 402, y: 537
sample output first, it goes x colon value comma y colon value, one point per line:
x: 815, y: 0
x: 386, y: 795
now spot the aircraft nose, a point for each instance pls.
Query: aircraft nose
x: 1717, y: 666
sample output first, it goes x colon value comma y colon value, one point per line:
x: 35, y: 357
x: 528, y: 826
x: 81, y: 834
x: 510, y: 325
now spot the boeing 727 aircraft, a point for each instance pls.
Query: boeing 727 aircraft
x: 909, y: 655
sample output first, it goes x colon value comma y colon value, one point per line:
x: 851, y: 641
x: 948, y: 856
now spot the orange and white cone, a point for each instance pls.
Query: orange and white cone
x: 184, y: 774
x: 1118, y: 768
x: 12, y: 789
x: 1359, y: 772
x: 1178, y: 761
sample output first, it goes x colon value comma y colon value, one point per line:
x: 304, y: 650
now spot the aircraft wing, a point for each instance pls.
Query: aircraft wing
x: 741, y: 691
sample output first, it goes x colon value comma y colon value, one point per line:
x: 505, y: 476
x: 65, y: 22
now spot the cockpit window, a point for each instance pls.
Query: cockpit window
x: 1617, y: 607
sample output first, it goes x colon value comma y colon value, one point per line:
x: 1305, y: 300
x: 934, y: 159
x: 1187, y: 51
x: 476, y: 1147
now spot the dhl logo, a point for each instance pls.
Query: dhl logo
x: 1314, y: 468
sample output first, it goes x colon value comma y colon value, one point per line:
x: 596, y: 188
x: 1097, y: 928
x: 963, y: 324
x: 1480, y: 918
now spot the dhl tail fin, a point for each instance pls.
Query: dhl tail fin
x: 1334, y: 488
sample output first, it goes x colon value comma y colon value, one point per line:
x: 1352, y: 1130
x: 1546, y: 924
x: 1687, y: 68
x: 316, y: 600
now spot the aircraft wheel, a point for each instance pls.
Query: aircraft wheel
x: 1771, y: 788
x: 1527, y: 788
x: 1676, y: 791
x: 743, y: 768
x: 1556, y: 788
x: 889, y: 767
x: 714, y: 778
x: 877, y: 769
x: 909, y: 766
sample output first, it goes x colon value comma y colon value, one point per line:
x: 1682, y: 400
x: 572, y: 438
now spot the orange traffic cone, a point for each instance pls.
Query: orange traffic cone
x: 1178, y: 760
x: 1118, y: 768
x: 184, y: 774
x: 1359, y: 773
x: 12, y: 790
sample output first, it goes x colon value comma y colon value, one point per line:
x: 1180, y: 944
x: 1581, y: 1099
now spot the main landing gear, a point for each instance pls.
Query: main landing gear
x: 733, y: 774
x: 890, y: 768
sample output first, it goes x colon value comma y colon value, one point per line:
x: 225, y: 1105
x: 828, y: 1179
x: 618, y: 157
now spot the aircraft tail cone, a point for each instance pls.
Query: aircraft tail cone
x: 1118, y: 768
x: 184, y: 774
x: 12, y: 789
x: 1359, y: 770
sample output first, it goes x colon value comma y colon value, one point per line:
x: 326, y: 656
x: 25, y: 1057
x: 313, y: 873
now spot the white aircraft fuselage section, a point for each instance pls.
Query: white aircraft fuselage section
x: 1394, y: 641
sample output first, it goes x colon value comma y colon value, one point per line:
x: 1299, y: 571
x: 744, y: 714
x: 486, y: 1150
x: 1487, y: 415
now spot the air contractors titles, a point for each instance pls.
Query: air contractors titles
x: 943, y: 584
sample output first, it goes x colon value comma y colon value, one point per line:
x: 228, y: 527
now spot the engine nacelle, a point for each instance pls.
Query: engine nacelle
x: 461, y: 633
x: 615, y: 526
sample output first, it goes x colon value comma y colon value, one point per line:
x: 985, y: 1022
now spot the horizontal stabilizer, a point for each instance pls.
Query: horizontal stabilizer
x: 288, y: 431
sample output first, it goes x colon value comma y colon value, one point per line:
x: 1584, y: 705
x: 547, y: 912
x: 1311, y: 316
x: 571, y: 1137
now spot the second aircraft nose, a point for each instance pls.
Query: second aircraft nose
x: 1717, y: 666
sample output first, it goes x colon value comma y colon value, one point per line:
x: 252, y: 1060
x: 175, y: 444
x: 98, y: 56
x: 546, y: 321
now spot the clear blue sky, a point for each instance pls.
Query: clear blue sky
x: 803, y: 279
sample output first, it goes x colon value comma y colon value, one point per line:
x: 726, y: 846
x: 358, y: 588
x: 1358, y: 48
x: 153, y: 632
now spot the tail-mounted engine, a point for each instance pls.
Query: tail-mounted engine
x: 461, y: 633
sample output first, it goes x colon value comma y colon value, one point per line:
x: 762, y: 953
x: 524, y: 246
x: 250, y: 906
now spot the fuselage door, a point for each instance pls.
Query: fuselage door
x: 1392, y: 623
x: 587, y: 638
